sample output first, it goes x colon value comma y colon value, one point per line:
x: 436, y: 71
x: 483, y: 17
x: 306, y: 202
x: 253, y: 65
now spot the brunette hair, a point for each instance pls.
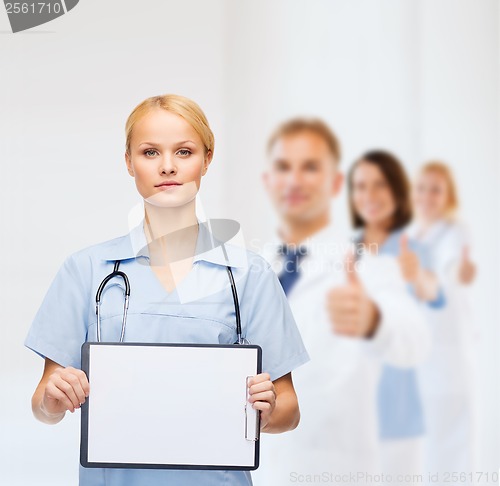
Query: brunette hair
x: 398, y: 182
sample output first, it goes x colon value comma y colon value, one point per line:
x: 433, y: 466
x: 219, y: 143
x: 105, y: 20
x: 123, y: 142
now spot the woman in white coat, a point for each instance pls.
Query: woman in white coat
x: 380, y: 204
x: 447, y: 378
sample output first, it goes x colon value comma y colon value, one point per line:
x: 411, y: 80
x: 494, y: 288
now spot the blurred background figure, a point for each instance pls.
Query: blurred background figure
x: 351, y: 318
x: 380, y: 206
x: 448, y: 376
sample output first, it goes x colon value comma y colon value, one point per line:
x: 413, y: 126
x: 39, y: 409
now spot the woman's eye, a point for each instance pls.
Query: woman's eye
x: 184, y: 152
x: 149, y: 151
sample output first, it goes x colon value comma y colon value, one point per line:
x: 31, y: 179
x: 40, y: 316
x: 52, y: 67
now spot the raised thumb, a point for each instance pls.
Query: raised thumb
x: 403, y: 243
x: 350, y: 267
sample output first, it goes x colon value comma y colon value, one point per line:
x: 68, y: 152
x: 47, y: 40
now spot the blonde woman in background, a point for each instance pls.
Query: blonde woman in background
x: 447, y: 377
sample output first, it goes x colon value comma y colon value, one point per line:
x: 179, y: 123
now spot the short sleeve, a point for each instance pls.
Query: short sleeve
x: 271, y: 325
x: 59, y: 327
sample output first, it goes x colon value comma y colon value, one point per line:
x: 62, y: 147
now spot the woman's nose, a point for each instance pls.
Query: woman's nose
x: 168, y: 165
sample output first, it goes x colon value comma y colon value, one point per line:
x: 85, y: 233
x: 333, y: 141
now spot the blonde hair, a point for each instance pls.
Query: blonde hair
x: 180, y: 105
x: 444, y: 170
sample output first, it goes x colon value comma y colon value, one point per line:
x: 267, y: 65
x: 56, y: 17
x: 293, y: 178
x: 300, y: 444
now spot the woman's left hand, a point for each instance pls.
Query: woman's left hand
x: 262, y: 396
x: 466, y: 269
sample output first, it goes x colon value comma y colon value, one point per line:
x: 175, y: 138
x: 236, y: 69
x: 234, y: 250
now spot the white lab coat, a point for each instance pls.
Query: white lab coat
x: 447, y: 376
x: 338, y: 430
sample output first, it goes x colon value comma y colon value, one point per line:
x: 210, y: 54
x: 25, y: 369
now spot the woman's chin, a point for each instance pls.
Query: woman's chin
x: 163, y: 200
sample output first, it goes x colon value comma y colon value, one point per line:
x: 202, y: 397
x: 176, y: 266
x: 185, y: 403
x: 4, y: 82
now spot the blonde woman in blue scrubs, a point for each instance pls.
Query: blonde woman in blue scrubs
x: 180, y: 291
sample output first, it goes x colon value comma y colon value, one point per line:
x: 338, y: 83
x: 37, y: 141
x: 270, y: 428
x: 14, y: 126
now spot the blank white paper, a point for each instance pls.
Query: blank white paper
x: 169, y: 405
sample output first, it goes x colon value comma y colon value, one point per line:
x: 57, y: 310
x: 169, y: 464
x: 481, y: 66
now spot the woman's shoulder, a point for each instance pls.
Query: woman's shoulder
x: 248, y: 259
x: 458, y: 229
x: 96, y: 253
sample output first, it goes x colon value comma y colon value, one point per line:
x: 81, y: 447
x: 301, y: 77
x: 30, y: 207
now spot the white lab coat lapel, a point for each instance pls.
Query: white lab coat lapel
x: 325, y: 248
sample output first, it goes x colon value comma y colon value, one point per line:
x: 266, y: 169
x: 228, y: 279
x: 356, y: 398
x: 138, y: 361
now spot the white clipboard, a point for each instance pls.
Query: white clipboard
x: 170, y: 406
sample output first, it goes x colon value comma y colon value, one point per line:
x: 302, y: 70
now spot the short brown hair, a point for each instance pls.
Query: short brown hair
x: 398, y: 181
x: 314, y: 125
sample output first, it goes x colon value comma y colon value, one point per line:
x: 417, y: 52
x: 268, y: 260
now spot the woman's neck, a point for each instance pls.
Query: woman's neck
x: 375, y: 234
x: 171, y: 233
x: 292, y: 232
x: 425, y: 223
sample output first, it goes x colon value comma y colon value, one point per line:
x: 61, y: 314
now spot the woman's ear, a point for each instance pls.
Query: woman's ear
x: 206, y: 162
x: 129, y: 164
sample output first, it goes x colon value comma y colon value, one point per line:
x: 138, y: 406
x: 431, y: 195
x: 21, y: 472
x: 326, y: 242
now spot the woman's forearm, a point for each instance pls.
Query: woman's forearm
x: 285, y: 416
x: 427, y: 286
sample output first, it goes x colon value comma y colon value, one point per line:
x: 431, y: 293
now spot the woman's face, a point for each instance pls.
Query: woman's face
x: 430, y: 195
x: 371, y: 195
x: 167, y: 159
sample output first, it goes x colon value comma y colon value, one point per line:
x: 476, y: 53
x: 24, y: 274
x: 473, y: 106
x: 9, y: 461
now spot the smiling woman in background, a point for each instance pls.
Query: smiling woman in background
x: 448, y: 375
x: 379, y: 199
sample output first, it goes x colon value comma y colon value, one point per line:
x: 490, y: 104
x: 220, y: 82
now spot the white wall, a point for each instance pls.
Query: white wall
x: 417, y: 77
x: 459, y: 120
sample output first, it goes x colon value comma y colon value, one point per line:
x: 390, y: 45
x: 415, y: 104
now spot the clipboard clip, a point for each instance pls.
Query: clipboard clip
x: 252, y: 418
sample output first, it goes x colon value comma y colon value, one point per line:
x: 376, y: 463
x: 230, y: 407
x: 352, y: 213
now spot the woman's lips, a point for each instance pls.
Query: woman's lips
x: 167, y: 187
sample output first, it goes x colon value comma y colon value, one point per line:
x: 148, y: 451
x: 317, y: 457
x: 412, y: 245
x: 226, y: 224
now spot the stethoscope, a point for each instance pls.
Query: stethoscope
x: 123, y: 275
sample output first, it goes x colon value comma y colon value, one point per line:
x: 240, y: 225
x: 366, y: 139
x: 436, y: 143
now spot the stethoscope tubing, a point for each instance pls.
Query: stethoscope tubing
x: 113, y: 274
x: 123, y: 275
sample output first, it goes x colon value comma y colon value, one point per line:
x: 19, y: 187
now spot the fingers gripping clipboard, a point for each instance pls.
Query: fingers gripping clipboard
x: 170, y: 406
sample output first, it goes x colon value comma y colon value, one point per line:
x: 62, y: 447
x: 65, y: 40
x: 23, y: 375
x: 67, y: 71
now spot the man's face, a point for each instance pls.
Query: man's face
x: 302, y: 177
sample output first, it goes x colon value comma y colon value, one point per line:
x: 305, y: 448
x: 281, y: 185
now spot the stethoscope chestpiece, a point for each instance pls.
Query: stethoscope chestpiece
x: 241, y: 341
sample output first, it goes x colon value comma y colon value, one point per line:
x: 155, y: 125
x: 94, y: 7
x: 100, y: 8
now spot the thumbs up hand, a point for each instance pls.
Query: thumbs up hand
x: 466, y: 268
x: 408, y: 261
x: 350, y: 310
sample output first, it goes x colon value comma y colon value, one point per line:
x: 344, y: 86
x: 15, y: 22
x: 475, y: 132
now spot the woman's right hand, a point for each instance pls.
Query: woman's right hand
x: 60, y: 389
x: 66, y: 389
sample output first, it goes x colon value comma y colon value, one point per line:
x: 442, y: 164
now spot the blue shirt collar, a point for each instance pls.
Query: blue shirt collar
x: 208, y: 248
x: 390, y: 245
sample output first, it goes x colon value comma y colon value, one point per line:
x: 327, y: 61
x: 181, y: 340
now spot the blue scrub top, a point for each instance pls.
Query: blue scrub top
x: 399, y: 407
x: 199, y: 310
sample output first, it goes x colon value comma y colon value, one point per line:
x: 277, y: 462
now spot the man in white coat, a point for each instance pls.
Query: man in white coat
x: 353, y: 316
